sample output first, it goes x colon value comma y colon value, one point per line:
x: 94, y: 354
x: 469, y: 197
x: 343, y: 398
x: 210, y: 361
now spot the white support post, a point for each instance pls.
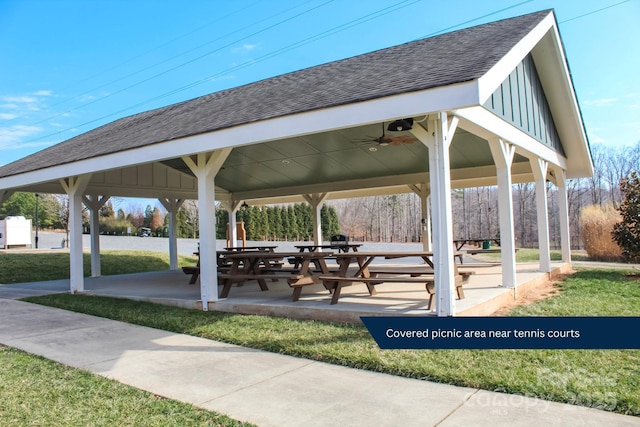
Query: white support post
x: 4, y: 195
x: 563, y: 212
x: 74, y: 187
x: 233, y: 222
x: 94, y: 203
x: 539, y: 168
x: 316, y: 200
x: 438, y: 140
x: 424, y: 192
x: 172, y: 205
x: 205, y: 167
x: 503, y: 153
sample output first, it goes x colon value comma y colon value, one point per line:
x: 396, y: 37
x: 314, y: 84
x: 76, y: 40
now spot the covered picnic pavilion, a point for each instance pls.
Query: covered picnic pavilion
x: 486, y: 105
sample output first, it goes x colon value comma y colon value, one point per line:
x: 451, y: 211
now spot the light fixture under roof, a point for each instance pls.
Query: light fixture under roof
x: 400, y: 125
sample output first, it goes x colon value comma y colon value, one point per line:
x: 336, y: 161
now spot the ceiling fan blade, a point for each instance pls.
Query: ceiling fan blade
x: 403, y: 139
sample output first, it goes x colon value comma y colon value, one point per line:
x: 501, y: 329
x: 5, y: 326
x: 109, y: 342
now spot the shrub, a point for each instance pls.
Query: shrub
x: 627, y: 232
x: 596, y: 223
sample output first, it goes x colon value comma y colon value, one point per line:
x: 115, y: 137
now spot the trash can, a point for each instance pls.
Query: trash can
x: 339, y: 239
x: 486, y: 244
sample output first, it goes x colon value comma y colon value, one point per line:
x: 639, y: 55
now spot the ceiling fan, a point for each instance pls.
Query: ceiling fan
x: 384, y: 139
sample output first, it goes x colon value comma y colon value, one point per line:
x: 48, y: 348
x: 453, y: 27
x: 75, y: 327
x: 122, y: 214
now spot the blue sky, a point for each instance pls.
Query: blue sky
x: 68, y: 66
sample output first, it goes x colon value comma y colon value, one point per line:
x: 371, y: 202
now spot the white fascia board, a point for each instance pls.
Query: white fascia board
x: 545, y: 45
x: 556, y: 81
x: 405, y: 105
x: 318, y: 121
x: 492, y: 79
x: 485, y: 124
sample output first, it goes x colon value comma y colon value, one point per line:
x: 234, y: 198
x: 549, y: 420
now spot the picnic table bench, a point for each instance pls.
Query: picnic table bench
x: 222, y: 263
x: 474, y: 251
x: 255, y: 266
x: 371, y: 278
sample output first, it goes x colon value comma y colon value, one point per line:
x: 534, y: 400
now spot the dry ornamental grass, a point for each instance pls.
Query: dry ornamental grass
x: 596, y: 226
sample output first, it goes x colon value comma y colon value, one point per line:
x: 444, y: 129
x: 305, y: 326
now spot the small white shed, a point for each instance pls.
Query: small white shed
x: 15, y: 231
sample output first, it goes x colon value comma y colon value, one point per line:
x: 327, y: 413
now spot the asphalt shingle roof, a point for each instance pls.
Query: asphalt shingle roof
x: 442, y: 60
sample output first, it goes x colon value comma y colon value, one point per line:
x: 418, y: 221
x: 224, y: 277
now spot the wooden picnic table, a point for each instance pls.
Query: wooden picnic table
x: 254, y: 265
x: 340, y: 247
x: 264, y: 248
x: 370, y: 279
x: 194, y: 270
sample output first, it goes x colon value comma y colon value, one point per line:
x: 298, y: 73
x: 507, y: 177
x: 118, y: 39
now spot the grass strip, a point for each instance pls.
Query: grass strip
x: 530, y: 255
x: 37, y: 267
x: 39, y: 392
x: 603, y: 379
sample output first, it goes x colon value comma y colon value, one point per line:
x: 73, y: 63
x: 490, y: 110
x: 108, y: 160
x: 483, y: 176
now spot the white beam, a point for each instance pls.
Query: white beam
x: 4, y: 195
x: 172, y: 205
x: 438, y: 140
x: 316, y: 200
x: 94, y: 203
x: 482, y: 122
x: 74, y: 186
x: 539, y: 168
x: 372, y: 111
x: 424, y: 192
x: 232, y: 209
x: 563, y: 212
x: 503, y: 157
x: 205, y: 167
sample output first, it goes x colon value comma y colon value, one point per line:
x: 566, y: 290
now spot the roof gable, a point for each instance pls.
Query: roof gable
x: 438, y: 61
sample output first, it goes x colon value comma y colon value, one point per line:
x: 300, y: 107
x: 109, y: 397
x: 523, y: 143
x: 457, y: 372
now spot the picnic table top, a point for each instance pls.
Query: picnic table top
x: 389, y: 254
x: 251, y: 248
x: 256, y: 254
x: 330, y: 245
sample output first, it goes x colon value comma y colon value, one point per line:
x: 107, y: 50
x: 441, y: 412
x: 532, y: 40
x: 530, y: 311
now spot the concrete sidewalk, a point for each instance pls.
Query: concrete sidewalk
x: 265, y: 388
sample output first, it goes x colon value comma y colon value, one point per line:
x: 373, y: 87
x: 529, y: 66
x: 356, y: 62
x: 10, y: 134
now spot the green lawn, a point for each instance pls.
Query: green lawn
x: 530, y: 255
x: 29, y: 267
x: 38, y: 392
x: 604, y: 379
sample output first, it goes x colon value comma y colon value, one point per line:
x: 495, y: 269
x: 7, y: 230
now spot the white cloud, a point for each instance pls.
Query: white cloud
x: 245, y: 48
x: 24, y: 99
x: 7, y: 116
x: 38, y: 144
x: 594, y: 138
x: 600, y: 102
x: 43, y: 93
x: 10, y: 137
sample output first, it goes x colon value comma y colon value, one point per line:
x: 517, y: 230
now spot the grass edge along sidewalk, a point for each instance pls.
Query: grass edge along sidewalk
x: 601, y: 379
x: 37, y: 391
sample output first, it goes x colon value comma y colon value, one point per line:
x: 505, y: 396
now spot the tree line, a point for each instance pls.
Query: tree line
x: 292, y: 222
x: 396, y: 218
x: 391, y: 218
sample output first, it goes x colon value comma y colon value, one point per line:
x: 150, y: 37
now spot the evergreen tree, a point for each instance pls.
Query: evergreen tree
x: 329, y: 221
x: 286, y: 223
x: 107, y: 211
x: 148, y: 216
x: 222, y: 219
x: 627, y: 233
x: 20, y: 204
x: 304, y: 220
